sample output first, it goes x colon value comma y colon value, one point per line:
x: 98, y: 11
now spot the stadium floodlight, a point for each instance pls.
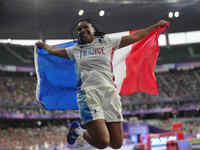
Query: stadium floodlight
x: 9, y: 40
x: 176, y: 14
x: 171, y: 14
x: 101, y: 13
x: 81, y: 12
x: 39, y: 123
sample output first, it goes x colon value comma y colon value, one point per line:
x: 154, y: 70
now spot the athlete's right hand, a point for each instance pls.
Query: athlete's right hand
x: 40, y: 44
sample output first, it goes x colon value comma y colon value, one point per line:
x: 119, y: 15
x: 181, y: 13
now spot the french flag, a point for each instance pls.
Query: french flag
x: 133, y: 68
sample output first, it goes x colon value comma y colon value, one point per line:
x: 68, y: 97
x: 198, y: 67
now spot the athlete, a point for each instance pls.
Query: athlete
x: 99, y: 102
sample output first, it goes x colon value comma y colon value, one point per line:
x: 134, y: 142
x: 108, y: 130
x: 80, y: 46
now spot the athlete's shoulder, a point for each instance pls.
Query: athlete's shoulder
x: 74, y: 47
x: 103, y: 40
x: 107, y: 38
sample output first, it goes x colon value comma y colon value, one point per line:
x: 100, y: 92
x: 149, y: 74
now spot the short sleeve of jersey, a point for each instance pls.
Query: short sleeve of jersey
x: 69, y: 51
x: 114, y: 41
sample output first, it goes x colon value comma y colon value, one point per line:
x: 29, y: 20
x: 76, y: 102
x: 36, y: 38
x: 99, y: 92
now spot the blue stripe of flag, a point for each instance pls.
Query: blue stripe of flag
x: 57, y: 80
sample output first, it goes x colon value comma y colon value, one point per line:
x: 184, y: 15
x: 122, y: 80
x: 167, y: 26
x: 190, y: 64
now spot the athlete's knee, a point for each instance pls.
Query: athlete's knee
x: 103, y: 142
x: 116, y: 145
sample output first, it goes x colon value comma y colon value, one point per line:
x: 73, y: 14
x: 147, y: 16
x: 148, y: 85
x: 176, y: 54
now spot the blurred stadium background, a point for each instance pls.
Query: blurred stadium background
x: 24, y: 124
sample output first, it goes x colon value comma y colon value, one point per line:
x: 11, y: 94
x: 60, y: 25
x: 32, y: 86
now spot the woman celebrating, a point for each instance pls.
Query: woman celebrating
x: 98, y: 100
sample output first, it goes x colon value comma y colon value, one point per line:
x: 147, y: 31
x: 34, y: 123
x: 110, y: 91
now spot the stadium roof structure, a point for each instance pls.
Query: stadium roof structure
x: 28, y: 19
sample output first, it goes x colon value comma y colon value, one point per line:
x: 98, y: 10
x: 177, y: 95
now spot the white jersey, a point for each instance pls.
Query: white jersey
x: 95, y: 62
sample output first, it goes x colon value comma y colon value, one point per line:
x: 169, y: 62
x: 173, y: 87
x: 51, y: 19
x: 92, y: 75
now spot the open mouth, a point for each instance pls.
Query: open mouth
x: 84, y: 35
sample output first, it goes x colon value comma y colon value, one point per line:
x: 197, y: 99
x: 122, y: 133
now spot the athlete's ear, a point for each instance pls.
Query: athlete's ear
x: 92, y: 28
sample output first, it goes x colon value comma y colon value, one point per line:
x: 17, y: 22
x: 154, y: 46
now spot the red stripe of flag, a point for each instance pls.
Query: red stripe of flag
x: 140, y: 65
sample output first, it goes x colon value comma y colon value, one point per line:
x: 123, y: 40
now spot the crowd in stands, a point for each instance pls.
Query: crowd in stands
x: 18, y: 95
x: 178, y: 105
x: 36, y: 135
x: 18, y: 138
x: 18, y: 89
x: 177, y: 88
x: 174, y: 84
x: 54, y: 136
x: 189, y: 125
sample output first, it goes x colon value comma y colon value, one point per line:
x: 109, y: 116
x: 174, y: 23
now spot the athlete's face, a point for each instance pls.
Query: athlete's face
x: 86, y: 32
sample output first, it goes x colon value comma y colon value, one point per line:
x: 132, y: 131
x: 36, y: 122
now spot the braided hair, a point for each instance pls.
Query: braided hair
x: 97, y: 33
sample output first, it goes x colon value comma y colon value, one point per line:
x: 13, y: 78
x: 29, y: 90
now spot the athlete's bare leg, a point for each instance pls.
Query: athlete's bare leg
x: 101, y: 134
x: 97, y: 134
x: 116, y: 134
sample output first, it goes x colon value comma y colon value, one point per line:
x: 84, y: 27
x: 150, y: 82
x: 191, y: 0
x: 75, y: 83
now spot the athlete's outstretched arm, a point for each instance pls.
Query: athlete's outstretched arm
x: 130, y: 39
x: 52, y: 49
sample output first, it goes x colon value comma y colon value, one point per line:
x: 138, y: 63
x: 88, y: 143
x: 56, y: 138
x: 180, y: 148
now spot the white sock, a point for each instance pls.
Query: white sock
x: 80, y: 131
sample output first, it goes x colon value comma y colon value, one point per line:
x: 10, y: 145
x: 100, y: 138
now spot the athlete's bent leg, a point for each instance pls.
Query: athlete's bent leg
x: 97, y: 134
x: 116, y: 134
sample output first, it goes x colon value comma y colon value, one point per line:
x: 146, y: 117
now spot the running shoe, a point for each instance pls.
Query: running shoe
x: 72, y: 135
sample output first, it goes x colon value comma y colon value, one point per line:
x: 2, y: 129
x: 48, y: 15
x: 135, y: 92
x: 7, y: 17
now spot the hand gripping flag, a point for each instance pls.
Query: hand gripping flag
x: 133, y: 68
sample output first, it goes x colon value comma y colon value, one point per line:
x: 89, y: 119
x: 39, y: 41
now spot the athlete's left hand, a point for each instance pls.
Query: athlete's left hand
x: 162, y: 23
